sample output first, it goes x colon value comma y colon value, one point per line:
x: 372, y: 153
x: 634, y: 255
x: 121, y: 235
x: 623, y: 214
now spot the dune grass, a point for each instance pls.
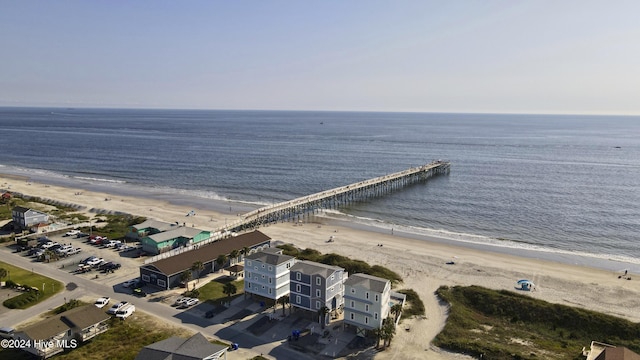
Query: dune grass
x: 505, y: 325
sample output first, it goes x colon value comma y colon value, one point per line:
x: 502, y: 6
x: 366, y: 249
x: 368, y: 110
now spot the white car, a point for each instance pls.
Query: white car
x: 72, y: 232
x: 95, y: 261
x: 125, y: 311
x: 189, y: 302
x: 64, y: 249
x: 48, y: 244
x: 102, y: 302
x: 74, y: 251
x: 117, y: 306
x: 112, y: 243
x: 130, y: 283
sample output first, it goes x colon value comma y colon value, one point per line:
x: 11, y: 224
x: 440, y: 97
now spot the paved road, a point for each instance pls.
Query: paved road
x: 86, y: 286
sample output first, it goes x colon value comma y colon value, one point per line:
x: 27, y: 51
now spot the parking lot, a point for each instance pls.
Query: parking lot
x: 125, y: 263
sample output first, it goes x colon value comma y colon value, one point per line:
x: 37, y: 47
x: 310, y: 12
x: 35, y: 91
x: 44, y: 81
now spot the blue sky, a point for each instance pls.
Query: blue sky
x: 425, y: 56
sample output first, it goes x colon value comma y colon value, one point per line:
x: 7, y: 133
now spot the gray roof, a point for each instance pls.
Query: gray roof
x: 154, y: 224
x: 268, y: 257
x: 182, y: 231
x: 81, y: 317
x: 314, y: 268
x: 84, y: 316
x: 175, y: 348
x: 370, y: 282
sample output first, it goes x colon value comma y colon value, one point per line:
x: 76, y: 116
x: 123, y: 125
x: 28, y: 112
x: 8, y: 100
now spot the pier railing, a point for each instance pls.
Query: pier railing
x: 337, y: 197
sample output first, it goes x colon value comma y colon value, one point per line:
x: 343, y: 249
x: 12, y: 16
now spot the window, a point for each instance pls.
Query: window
x: 317, y: 292
x: 376, y: 297
x: 262, y: 276
x: 248, y: 262
x: 331, y: 289
x: 288, y: 265
x: 353, y: 290
x: 366, y: 319
x: 270, y: 280
x: 318, y: 280
x: 162, y: 283
x: 262, y: 287
x: 263, y: 266
x: 145, y: 278
x: 298, y: 288
x: 352, y: 316
x: 298, y: 301
x: 255, y: 267
x: 333, y: 276
x: 353, y: 304
x: 298, y: 276
x: 270, y: 268
x: 366, y: 295
x: 317, y: 304
x: 375, y: 316
x: 248, y: 274
x: 269, y: 291
x: 366, y: 307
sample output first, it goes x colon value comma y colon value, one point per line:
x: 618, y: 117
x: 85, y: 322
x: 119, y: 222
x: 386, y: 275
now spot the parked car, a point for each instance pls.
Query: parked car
x: 73, y: 251
x: 130, y: 283
x: 102, y: 302
x: 112, y: 243
x: 138, y: 292
x: 72, y: 232
x: 64, y: 250
x: 83, y: 268
x: 95, y: 262
x: 117, y: 306
x: 188, y: 303
x: 48, y: 244
x: 88, y: 259
x: 125, y: 311
x: 81, y: 235
x: 180, y: 301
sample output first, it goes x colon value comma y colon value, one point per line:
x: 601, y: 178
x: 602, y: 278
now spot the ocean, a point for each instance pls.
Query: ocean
x: 555, y: 184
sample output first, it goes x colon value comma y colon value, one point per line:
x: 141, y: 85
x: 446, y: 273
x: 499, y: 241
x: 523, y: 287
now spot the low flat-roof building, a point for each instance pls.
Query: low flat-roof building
x: 165, y: 273
x: 149, y: 227
x: 171, y: 239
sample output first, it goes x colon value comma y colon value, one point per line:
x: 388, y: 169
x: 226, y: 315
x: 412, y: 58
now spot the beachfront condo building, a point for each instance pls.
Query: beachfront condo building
x: 314, y: 286
x: 267, y: 273
x: 366, y: 302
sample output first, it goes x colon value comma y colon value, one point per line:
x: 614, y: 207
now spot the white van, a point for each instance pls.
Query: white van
x: 125, y: 311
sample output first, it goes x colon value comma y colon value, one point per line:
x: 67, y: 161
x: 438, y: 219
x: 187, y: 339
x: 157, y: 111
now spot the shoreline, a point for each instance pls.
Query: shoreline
x: 222, y: 209
x: 419, y: 259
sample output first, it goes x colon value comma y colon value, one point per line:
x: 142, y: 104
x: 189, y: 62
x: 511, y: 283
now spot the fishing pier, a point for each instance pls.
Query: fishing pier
x: 296, y: 209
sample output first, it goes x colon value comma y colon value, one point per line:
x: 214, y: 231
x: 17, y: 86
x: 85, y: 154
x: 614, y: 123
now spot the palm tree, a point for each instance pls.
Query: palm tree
x: 378, y: 334
x: 185, y: 277
x: 3, y: 273
x: 284, y: 301
x: 229, y: 289
x: 245, y: 252
x: 322, y: 315
x: 396, y: 310
x: 197, y: 266
x: 388, y: 331
x: 221, y: 260
x: 234, y: 255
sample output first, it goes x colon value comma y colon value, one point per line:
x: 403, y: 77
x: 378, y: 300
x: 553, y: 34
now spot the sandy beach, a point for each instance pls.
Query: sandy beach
x: 421, y: 263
